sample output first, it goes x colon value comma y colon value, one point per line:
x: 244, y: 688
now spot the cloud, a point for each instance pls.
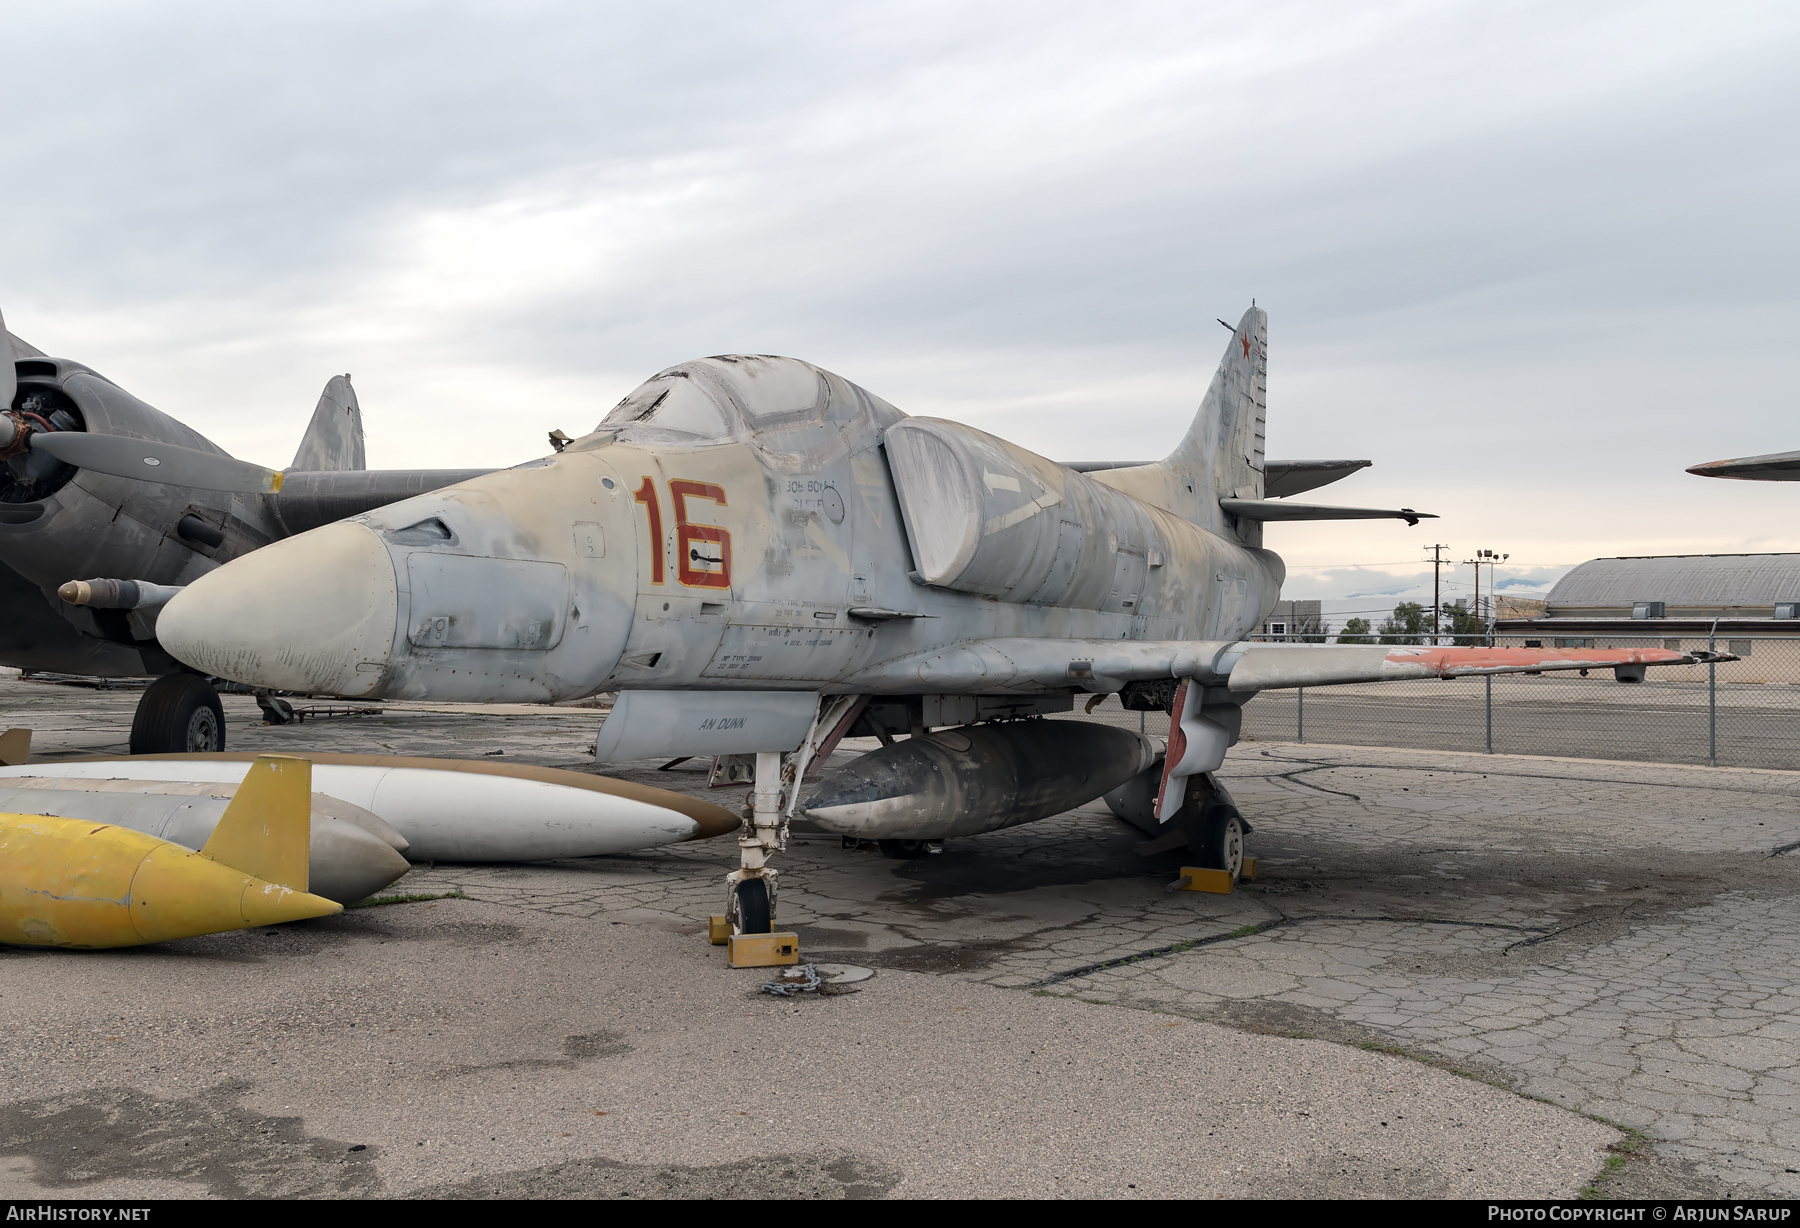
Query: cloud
x: 1532, y: 260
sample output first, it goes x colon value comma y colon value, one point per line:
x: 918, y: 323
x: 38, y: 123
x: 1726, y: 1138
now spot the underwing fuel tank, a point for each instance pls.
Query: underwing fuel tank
x: 976, y: 778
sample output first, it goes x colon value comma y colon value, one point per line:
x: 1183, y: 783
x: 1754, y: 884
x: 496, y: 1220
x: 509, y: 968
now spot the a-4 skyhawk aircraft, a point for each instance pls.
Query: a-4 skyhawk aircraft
x: 763, y: 558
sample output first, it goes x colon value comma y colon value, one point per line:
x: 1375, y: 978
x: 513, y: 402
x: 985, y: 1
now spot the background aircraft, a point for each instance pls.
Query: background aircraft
x: 1769, y: 467
x: 94, y: 483
x: 764, y: 558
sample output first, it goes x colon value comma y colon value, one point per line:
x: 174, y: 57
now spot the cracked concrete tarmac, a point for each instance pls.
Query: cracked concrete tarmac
x: 1618, y: 939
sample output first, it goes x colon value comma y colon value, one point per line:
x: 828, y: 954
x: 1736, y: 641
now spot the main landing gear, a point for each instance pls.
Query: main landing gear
x: 179, y: 714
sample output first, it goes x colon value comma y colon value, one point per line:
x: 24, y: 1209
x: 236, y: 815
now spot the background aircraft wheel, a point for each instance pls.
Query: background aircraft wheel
x: 904, y: 849
x: 1221, y: 843
x: 753, y: 907
x: 179, y: 714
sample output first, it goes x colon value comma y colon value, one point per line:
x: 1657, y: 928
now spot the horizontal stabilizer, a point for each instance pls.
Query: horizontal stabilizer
x: 1284, y: 478
x: 1266, y: 667
x: 1281, y: 478
x: 1276, y: 509
x: 1770, y: 467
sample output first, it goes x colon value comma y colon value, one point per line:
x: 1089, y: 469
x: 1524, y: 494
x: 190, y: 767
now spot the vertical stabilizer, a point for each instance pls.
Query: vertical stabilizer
x: 266, y: 831
x: 15, y: 747
x: 334, y: 439
x: 1225, y: 443
x: 1222, y: 455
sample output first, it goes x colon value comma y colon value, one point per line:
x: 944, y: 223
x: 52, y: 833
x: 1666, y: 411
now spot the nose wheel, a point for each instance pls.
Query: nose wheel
x: 752, y: 910
x: 179, y: 714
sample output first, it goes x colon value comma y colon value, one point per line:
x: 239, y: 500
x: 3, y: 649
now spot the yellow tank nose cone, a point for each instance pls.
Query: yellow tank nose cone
x: 180, y: 894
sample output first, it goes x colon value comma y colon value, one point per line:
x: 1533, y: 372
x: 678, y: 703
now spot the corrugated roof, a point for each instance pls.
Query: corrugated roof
x: 1680, y: 579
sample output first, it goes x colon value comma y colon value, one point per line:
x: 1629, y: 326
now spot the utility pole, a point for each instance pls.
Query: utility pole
x: 1490, y: 559
x: 1437, y: 601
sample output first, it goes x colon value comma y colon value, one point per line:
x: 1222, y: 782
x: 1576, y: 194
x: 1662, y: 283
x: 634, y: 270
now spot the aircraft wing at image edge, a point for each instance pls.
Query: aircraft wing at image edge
x: 1769, y: 467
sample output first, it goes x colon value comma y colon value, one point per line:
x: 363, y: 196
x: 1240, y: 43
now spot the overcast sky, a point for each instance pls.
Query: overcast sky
x: 1531, y: 259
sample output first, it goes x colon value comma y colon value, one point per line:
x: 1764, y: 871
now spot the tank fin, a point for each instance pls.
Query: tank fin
x: 266, y: 831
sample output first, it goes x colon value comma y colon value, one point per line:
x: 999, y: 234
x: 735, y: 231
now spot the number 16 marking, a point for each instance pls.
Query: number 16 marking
x: 698, y: 547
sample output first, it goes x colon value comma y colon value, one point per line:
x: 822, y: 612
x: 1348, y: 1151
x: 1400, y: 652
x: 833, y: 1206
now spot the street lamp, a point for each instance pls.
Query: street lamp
x: 1491, y: 559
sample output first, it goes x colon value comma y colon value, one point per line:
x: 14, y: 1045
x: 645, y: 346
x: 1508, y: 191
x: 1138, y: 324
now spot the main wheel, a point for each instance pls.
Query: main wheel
x: 903, y: 850
x: 753, y: 907
x: 179, y: 714
x: 1221, y: 843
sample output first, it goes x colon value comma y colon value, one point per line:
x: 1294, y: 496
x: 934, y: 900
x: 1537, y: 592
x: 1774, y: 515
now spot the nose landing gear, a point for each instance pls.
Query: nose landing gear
x: 773, y: 797
x: 179, y: 714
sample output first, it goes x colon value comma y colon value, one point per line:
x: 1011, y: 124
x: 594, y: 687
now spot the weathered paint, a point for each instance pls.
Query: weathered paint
x: 72, y: 883
x: 957, y: 782
x: 345, y: 860
x: 1267, y: 666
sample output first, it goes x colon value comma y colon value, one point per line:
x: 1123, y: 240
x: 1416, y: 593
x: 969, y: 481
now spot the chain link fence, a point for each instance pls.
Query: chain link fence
x: 1743, y: 713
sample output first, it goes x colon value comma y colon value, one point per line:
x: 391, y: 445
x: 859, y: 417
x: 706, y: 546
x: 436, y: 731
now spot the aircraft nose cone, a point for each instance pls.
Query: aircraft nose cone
x: 313, y: 613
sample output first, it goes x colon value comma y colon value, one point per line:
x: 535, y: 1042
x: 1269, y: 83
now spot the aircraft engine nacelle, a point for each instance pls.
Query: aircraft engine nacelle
x: 985, y: 516
x: 976, y: 778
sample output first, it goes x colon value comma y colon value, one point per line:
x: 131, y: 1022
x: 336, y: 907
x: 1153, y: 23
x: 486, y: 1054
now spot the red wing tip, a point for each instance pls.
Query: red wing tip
x: 1450, y: 658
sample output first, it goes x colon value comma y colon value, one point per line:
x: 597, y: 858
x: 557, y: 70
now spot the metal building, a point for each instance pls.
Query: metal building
x: 1733, y: 601
x: 1292, y: 620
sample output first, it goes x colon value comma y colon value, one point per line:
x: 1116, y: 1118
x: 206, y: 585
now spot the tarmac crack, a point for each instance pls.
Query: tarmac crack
x: 1251, y: 931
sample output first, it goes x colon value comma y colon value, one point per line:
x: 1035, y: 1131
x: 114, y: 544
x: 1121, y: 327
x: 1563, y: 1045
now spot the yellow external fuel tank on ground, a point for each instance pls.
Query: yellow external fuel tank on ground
x: 70, y: 883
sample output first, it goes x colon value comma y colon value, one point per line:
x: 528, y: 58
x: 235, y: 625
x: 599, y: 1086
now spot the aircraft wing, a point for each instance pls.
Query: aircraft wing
x: 1770, y: 467
x: 1018, y: 664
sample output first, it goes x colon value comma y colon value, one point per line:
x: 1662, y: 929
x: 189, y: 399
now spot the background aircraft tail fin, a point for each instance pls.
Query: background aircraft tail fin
x: 334, y: 439
x: 266, y: 831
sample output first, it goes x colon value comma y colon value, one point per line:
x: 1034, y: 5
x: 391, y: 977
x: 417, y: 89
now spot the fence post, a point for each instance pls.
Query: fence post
x: 1490, y: 712
x: 1712, y: 700
x: 1300, y: 714
x: 1490, y: 695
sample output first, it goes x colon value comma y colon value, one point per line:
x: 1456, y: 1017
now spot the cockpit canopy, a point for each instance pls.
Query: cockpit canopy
x: 779, y: 404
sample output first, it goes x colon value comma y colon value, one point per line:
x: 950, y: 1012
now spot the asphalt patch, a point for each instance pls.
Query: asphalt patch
x: 763, y: 1178
x: 86, y: 1137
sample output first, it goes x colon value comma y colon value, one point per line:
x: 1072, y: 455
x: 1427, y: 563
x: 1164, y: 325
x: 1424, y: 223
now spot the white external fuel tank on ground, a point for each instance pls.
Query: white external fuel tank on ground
x: 351, y: 854
x: 458, y: 809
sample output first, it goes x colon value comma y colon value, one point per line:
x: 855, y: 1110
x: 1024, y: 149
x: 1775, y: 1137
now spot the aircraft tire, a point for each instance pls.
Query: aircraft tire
x: 179, y: 714
x: 903, y: 850
x: 1221, y: 839
x: 753, y: 913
